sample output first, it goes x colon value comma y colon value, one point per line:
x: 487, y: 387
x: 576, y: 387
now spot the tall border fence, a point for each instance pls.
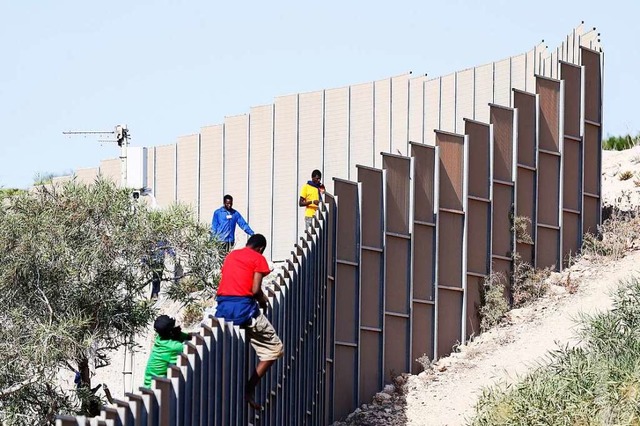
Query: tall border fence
x: 394, y: 265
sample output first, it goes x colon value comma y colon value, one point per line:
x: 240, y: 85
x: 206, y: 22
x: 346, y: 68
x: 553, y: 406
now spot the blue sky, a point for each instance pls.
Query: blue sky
x: 167, y: 68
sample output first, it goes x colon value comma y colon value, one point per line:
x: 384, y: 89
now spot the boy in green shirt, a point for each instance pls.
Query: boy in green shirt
x: 166, y: 348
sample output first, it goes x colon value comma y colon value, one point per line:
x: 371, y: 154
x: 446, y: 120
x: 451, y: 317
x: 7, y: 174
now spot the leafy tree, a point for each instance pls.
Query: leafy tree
x: 74, y: 276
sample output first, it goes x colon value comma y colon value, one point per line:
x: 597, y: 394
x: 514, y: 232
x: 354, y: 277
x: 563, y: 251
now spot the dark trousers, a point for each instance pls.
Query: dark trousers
x: 156, y: 278
x: 227, y: 247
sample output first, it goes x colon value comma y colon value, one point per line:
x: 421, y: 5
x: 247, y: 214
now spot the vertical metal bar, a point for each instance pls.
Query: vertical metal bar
x: 465, y: 238
x: 561, y: 107
x: 436, y: 214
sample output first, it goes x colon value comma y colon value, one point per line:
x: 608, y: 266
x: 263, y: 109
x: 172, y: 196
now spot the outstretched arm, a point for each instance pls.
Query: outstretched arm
x: 244, y: 225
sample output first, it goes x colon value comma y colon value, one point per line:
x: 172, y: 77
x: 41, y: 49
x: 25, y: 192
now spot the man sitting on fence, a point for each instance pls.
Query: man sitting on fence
x: 240, y: 298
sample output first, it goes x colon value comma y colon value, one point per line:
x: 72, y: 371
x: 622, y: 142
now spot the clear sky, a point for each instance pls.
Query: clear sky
x: 167, y: 68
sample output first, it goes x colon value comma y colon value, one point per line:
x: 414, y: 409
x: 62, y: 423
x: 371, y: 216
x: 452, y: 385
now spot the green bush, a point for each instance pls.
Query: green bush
x: 620, y: 143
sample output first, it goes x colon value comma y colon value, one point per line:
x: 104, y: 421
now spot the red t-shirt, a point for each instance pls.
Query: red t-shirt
x: 237, y: 272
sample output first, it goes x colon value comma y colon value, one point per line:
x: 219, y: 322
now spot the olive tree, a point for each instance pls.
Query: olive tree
x: 74, y: 279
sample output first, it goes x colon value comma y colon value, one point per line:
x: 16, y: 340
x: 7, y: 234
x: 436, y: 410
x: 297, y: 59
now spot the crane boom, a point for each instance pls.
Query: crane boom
x: 122, y: 136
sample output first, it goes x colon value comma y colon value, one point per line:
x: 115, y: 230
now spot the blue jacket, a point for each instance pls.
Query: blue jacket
x: 223, y: 224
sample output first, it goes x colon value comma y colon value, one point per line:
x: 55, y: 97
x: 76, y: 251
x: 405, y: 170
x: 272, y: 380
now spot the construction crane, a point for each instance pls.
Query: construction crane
x: 121, y: 137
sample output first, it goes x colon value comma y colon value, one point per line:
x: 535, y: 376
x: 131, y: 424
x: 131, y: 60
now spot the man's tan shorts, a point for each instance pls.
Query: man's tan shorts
x: 264, y: 339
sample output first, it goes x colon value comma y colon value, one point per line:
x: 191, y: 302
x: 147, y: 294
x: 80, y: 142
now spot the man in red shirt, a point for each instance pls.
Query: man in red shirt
x: 240, y: 298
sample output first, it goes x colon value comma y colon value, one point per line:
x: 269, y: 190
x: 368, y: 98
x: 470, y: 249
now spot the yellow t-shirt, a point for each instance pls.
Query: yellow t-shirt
x: 310, y: 193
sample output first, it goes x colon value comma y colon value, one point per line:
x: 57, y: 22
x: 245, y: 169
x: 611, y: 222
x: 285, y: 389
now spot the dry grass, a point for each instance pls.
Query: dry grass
x: 520, y: 227
x: 626, y: 175
x: 193, y: 311
x: 494, y: 304
x: 617, y: 235
x: 528, y: 283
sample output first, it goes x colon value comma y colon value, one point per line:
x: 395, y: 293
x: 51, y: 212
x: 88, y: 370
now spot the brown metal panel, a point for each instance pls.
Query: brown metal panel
x: 591, y: 159
x: 396, y: 346
x: 165, y: 175
x: 424, y: 254
x: 423, y: 262
x: 285, y: 190
x: 361, y: 128
x: 371, y: 292
x: 501, y: 227
x: 570, y: 235
x: 501, y: 267
x: 346, y: 306
x: 474, y: 301
x: 478, y: 247
x: 549, y: 131
x: 397, y: 264
x: 449, y: 314
x: 421, y: 334
x: 572, y: 76
x: 424, y: 165
x: 370, y: 359
x: 479, y: 158
x: 548, y: 189
x: 347, y: 220
x: 526, y: 252
x: 591, y: 215
x: 399, y: 114
x: 336, y: 135
x: 572, y: 182
x: 372, y: 281
x: 479, y: 220
x: 450, y: 249
x: 344, y: 401
x: 502, y: 120
x: 397, y: 275
x: 372, y: 217
x: 592, y: 86
x: 526, y: 188
x: 526, y: 105
x: 187, y: 169
x: 260, y: 170
x: 398, y: 170
x: 382, y: 119
x: 211, y: 166
x: 547, y: 248
x: 451, y: 170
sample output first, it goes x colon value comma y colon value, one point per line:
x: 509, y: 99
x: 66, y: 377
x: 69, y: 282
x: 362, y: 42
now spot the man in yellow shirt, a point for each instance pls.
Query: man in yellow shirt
x: 310, y: 197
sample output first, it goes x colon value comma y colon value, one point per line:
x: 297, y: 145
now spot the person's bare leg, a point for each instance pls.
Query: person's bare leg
x: 260, y: 371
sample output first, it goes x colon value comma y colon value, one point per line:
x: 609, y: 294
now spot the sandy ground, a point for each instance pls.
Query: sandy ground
x: 448, y: 397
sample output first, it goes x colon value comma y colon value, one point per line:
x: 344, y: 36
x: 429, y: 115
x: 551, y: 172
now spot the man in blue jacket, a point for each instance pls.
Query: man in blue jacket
x: 223, y: 223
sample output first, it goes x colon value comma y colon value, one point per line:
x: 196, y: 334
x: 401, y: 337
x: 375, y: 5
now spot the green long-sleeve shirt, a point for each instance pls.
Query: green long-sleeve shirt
x: 163, y: 353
